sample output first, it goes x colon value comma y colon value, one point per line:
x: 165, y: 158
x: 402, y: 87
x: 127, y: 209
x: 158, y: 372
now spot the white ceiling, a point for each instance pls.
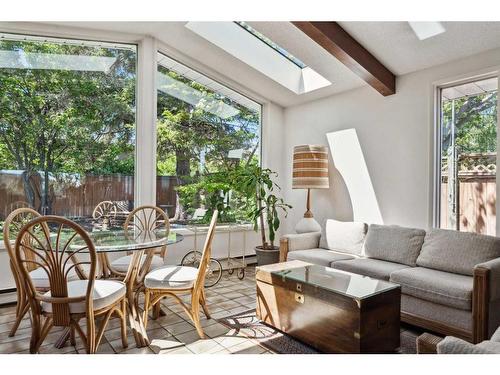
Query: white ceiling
x: 393, y: 43
x: 398, y: 48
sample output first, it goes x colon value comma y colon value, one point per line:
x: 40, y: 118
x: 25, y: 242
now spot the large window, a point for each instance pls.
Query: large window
x: 67, y: 125
x: 468, y: 128
x: 205, y: 132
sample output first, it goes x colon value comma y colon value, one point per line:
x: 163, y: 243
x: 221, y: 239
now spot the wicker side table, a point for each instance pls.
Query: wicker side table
x: 427, y: 343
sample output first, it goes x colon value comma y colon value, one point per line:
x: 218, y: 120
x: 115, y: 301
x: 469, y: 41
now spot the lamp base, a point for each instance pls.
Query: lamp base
x: 306, y: 225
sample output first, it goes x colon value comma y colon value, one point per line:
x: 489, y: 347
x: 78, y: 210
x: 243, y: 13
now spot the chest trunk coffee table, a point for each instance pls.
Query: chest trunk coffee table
x: 331, y: 310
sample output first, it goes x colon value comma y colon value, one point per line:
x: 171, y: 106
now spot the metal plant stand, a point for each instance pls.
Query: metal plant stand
x: 216, y: 266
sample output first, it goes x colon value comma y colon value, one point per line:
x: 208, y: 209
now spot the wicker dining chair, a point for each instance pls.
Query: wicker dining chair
x: 143, y: 219
x: 175, y: 281
x: 12, y: 225
x: 57, y: 242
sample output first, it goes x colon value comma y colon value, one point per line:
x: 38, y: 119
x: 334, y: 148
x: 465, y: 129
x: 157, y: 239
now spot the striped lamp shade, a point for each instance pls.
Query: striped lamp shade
x: 310, y: 167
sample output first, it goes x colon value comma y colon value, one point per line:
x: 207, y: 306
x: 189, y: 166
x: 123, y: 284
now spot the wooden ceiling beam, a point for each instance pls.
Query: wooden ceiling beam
x: 333, y: 38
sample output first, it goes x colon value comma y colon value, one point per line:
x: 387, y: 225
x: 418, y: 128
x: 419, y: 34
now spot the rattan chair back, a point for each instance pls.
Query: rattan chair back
x: 56, y: 242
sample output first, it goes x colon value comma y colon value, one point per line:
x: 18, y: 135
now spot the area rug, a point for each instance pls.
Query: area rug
x: 247, y: 324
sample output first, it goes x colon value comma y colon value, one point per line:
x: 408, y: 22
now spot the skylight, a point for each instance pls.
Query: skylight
x: 259, y: 52
x: 271, y: 44
x: 470, y: 89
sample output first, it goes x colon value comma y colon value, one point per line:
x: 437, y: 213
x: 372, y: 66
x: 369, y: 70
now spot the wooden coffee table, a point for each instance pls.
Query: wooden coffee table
x: 331, y: 310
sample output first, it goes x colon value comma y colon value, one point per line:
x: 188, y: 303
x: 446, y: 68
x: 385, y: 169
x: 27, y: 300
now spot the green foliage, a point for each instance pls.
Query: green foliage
x: 166, y: 166
x: 194, y: 143
x: 187, y: 131
x: 67, y: 121
x: 213, y: 192
x: 475, y: 123
x: 64, y: 124
x: 257, y: 186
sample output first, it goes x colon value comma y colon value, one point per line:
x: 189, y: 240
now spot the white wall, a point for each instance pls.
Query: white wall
x: 273, y: 140
x: 396, y: 137
x: 273, y: 145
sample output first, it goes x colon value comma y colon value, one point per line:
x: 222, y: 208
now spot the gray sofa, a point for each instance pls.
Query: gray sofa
x: 454, y: 345
x: 450, y: 281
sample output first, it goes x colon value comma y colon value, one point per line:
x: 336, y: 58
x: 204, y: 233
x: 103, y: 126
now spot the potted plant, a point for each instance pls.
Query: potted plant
x: 262, y: 207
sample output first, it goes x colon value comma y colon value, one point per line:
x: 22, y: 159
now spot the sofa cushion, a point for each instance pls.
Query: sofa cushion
x: 454, y: 345
x: 446, y: 315
x: 378, y: 269
x: 321, y: 257
x: 394, y: 244
x: 496, y: 335
x: 445, y: 288
x: 490, y: 346
x: 302, y: 241
x: 343, y: 236
x: 458, y: 252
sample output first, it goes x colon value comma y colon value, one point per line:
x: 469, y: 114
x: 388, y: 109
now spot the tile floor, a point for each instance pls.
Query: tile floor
x: 170, y: 334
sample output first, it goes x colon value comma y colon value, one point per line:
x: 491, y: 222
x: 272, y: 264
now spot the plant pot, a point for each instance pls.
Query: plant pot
x: 267, y: 256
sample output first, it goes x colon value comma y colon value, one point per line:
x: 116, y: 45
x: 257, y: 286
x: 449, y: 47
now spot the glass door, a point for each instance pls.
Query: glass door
x: 468, y: 129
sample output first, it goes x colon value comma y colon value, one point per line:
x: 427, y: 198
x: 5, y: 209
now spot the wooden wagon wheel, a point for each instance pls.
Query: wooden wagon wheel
x: 104, y: 209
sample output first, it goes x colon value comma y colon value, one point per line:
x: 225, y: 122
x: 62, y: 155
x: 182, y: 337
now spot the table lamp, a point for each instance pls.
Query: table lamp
x: 310, y: 171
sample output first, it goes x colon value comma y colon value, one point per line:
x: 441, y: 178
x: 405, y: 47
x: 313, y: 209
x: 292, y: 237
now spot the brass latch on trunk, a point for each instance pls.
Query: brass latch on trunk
x: 299, y: 298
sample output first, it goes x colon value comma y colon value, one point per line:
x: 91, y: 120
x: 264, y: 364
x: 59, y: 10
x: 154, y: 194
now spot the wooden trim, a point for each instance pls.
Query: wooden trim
x: 427, y: 343
x: 480, y: 304
x: 283, y: 249
x: 333, y: 38
x: 435, y: 326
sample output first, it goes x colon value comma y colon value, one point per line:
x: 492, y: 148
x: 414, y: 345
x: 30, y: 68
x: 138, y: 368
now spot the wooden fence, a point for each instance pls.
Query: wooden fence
x: 477, y: 200
x: 78, y: 197
x: 476, y: 194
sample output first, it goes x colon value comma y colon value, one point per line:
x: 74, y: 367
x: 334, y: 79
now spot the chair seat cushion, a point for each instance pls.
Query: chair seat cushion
x: 445, y: 288
x: 318, y: 256
x: 121, y: 264
x: 378, y: 269
x: 106, y: 292
x: 40, y: 278
x: 167, y: 277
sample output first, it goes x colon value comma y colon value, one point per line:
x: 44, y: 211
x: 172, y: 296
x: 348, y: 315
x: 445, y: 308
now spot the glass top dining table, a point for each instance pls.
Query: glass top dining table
x: 117, y: 240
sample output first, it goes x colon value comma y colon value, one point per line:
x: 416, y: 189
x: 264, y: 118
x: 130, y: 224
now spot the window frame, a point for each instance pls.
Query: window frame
x: 146, y: 91
x: 221, y: 82
x: 436, y: 140
x: 263, y: 106
x: 91, y: 38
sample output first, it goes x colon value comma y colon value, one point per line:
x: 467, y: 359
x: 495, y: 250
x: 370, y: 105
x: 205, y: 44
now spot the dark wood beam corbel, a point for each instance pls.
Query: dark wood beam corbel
x: 333, y: 38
